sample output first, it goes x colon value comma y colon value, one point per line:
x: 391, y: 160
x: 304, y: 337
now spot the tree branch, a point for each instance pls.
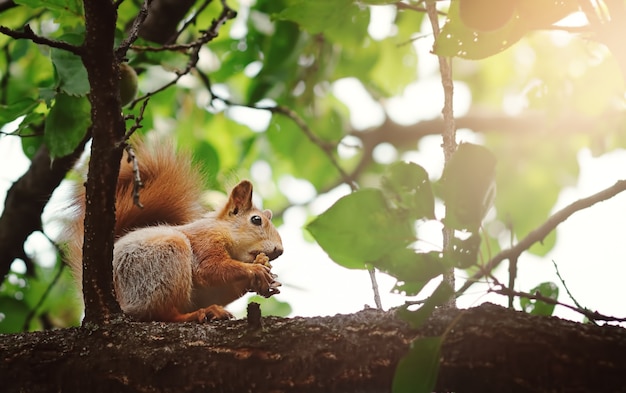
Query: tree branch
x: 26, y: 200
x: 448, y: 132
x: 133, y: 34
x: 592, y: 315
x: 28, y: 34
x: 542, y: 231
x: 486, y: 349
x: 226, y: 14
x: 568, y: 123
x: 108, y: 131
x: 327, y: 147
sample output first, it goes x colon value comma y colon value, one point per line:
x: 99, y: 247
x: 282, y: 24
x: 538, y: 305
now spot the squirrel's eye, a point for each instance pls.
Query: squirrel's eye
x: 256, y: 220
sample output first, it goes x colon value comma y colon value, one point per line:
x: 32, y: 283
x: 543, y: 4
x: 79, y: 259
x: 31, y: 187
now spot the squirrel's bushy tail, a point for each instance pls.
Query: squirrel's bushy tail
x: 170, y: 195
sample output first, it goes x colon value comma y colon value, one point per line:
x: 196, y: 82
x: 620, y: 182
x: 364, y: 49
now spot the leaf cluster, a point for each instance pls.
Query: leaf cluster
x: 378, y: 226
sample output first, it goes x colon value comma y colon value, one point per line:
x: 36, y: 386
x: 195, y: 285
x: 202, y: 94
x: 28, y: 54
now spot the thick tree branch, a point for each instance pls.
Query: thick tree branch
x: 108, y: 131
x: 567, y: 123
x: 542, y: 231
x: 26, y: 200
x: 486, y: 349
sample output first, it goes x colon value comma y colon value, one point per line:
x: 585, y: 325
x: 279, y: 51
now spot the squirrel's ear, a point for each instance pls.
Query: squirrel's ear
x: 240, y: 199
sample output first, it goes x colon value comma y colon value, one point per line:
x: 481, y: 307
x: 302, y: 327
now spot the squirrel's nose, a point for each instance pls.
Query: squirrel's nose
x: 278, y: 251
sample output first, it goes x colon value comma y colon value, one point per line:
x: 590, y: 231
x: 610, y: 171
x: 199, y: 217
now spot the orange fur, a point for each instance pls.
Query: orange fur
x: 173, y: 261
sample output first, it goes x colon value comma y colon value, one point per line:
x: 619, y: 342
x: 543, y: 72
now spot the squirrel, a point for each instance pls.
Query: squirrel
x: 172, y: 259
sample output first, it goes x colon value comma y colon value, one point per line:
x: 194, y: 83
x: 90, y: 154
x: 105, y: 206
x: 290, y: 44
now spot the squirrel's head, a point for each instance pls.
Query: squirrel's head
x: 252, y: 229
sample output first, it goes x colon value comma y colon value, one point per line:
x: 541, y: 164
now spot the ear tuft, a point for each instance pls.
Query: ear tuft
x: 240, y: 199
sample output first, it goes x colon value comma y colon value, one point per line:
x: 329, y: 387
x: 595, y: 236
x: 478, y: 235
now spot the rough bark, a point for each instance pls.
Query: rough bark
x: 107, y: 132
x: 487, y: 349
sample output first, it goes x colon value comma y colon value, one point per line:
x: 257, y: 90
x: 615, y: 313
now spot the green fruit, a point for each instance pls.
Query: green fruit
x: 128, y: 84
x: 486, y: 15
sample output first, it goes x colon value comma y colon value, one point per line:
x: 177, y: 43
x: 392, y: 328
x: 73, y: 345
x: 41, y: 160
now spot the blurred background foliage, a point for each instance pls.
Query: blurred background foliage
x: 284, y: 63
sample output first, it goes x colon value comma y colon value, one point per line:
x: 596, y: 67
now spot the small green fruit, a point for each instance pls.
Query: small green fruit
x: 128, y: 84
x: 486, y: 15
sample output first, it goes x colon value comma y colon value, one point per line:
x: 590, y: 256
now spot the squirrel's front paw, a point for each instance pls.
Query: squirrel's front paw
x: 263, y: 280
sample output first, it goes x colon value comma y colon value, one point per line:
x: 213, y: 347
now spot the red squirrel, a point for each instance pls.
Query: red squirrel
x: 172, y: 259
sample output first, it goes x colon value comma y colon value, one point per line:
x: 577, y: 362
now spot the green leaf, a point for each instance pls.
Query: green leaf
x: 303, y: 158
x: 11, y: 112
x: 352, y: 31
x: 413, y: 270
x: 457, y: 39
x: 407, y: 186
x: 13, y: 314
x: 360, y: 229
x: 468, y: 186
x: 282, y: 52
x: 378, y: 2
x: 316, y: 16
x: 206, y: 157
x: 71, y: 74
x: 66, y: 124
x: 537, y: 307
x: 530, y: 177
x: 416, y: 318
x: 417, y: 371
x: 395, y: 66
x: 72, y: 6
x: 31, y: 145
x: 66, y: 12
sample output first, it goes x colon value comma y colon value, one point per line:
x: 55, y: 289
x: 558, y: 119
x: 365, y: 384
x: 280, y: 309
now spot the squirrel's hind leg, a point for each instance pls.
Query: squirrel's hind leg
x: 211, y: 313
x: 152, y: 273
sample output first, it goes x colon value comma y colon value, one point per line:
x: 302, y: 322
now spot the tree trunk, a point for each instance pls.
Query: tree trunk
x: 488, y: 349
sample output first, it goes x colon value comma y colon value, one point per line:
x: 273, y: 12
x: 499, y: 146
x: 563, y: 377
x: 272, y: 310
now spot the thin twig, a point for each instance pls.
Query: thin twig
x: 28, y: 34
x: 138, y: 119
x: 449, y: 129
x: 121, y: 50
x: 404, y: 6
x: 137, y: 183
x: 327, y: 147
x: 558, y: 274
x: 512, y: 277
x: 542, y: 231
x: 208, y: 35
x: 191, y: 20
x: 591, y: 315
